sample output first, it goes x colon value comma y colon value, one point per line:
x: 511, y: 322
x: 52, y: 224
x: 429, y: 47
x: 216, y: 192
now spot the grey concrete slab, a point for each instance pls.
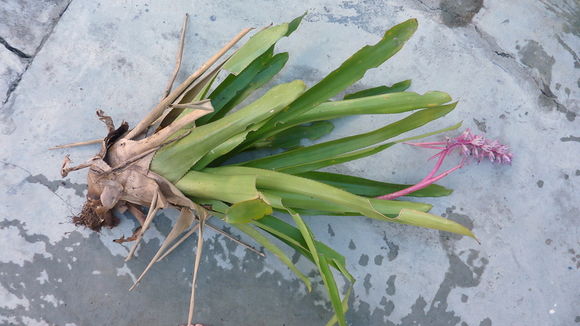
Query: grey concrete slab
x: 512, y: 65
x: 24, y: 24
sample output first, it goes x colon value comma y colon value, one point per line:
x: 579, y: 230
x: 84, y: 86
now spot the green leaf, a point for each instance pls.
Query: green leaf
x: 290, y: 235
x: 353, y: 69
x: 406, y: 216
x: 228, y: 188
x: 270, y: 69
x: 194, y: 93
x: 453, y: 127
x: 266, y: 243
x: 266, y: 179
x: 370, y: 188
x: 174, y: 160
x: 292, y: 137
x: 332, y: 149
x: 378, y: 104
x: 323, y: 267
x: 232, y: 85
x: 215, y: 205
x: 332, y: 289
x: 426, y: 220
x: 246, y: 211
x: 293, y: 238
x: 320, y: 194
x: 258, y: 44
x: 219, y: 209
x: 398, y: 87
x: 339, y: 159
x: 334, y: 318
x: 308, y: 202
x: 235, y: 88
x: 220, y: 150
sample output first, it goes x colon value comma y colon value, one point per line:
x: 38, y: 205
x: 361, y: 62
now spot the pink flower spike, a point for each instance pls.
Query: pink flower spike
x: 470, y: 145
x: 479, y: 148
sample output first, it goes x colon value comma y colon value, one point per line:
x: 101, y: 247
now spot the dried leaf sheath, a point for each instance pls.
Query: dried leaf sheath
x: 198, y: 128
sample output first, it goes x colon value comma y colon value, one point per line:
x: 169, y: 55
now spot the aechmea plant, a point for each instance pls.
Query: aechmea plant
x: 186, y: 154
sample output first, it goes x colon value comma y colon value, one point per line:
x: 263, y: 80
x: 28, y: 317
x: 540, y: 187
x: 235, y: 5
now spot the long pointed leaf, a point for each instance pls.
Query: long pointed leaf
x: 232, y: 85
x: 331, y: 149
x: 260, y: 43
x: 378, y: 104
x: 334, y: 318
x: 292, y: 137
x: 339, y: 159
x: 270, y: 68
x: 266, y: 179
x: 353, y: 69
x: 269, y: 245
x: 318, y: 164
x: 247, y: 211
x: 323, y: 267
x: 174, y: 160
x: 302, y: 201
x: 426, y: 220
x: 370, y: 188
x: 228, y: 188
x: 397, y: 87
x: 292, y: 237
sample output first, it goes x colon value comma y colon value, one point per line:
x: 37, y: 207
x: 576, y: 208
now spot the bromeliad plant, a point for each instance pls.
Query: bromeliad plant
x: 180, y: 155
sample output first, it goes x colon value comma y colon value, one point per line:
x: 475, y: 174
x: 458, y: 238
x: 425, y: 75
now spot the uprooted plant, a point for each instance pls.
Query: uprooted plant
x: 185, y: 154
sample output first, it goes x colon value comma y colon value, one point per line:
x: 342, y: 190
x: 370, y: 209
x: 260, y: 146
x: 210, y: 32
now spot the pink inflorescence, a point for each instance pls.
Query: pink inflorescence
x: 471, y: 146
x: 480, y: 148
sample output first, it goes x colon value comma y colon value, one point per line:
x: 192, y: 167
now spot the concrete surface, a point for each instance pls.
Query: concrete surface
x: 512, y: 64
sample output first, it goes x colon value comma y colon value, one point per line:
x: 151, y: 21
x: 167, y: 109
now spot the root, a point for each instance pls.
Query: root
x: 93, y: 219
x: 133, y: 237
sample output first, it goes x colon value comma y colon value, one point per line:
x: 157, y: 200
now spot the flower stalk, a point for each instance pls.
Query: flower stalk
x: 471, y: 146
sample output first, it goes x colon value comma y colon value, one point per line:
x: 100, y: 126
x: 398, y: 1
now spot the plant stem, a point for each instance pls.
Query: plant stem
x: 424, y: 183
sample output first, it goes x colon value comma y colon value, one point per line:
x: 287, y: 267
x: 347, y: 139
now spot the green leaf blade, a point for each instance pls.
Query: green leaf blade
x: 258, y: 44
x: 174, y: 160
x: 370, y: 188
x: 266, y: 179
x: 332, y: 149
x: 279, y: 253
x: 247, y: 211
x: 323, y: 267
x: 292, y: 137
x: 227, y: 188
x: 353, y: 69
x: 377, y: 104
x: 397, y: 87
x: 426, y: 220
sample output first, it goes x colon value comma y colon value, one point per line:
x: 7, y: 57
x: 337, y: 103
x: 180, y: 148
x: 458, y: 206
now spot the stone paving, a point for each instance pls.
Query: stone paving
x: 513, y: 66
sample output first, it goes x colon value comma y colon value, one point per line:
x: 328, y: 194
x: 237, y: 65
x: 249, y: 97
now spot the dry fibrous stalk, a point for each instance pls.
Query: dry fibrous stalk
x: 181, y: 154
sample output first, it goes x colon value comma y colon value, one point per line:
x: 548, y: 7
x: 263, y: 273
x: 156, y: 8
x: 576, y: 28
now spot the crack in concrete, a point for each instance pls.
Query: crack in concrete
x: 429, y: 7
x: 546, y: 97
x: 569, y: 49
x: 28, y: 57
x: 571, y: 138
x: 455, y: 13
x: 14, y: 84
x: 31, y: 175
x: 504, y: 54
x: 13, y: 49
